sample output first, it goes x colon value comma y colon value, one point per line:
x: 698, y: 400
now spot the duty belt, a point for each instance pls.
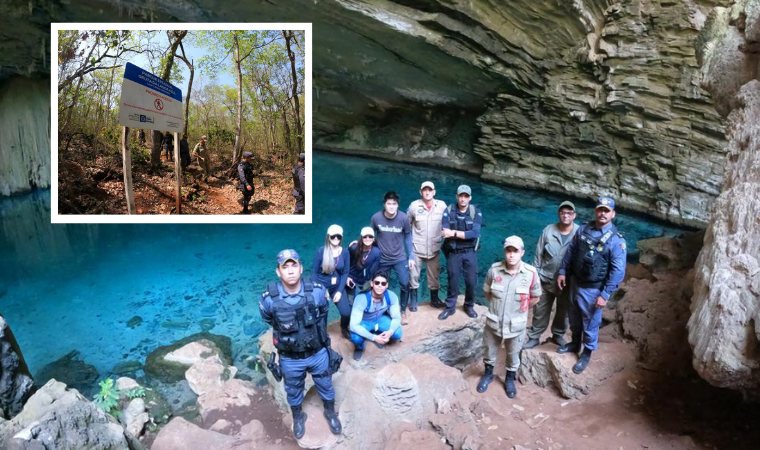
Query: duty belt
x: 464, y: 250
x: 299, y: 355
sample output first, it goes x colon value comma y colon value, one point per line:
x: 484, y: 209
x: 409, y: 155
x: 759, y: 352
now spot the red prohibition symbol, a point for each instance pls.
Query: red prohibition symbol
x: 158, y: 104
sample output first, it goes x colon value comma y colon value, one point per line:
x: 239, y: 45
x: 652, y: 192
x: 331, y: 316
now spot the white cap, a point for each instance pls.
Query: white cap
x: 428, y: 184
x: 367, y: 231
x: 335, y: 229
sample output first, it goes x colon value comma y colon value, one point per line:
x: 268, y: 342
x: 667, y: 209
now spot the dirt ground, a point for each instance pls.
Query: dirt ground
x: 92, y: 182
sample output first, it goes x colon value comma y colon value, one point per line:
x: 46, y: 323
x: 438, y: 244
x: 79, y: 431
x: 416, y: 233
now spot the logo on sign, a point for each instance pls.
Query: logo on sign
x: 158, y: 104
x: 146, y: 119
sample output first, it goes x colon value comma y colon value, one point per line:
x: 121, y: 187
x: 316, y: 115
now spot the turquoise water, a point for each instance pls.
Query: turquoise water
x: 66, y: 287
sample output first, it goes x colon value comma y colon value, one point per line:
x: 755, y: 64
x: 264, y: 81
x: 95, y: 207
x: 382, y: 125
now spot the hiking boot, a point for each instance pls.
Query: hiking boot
x: 299, y: 421
x: 573, y: 347
x: 580, y: 366
x: 486, y: 379
x: 345, y: 333
x: 532, y: 342
x: 358, y: 354
x: 470, y: 311
x: 436, y: 302
x: 413, y: 300
x: 446, y: 313
x: 559, y: 340
x: 509, y: 384
x: 332, y: 417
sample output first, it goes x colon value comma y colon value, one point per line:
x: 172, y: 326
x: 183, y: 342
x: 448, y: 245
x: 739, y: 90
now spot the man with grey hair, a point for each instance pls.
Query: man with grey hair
x: 511, y: 287
x: 551, y: 248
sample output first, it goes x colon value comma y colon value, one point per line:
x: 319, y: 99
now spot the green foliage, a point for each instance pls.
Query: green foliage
x: 140, y: 155
x: 108, y: 397
x: 139, y: 391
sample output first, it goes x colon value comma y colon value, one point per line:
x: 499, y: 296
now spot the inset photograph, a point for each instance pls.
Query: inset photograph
x: 206, y: 125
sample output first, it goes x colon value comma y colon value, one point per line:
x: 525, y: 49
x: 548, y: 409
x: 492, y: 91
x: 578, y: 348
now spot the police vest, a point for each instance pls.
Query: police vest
x: 468, y: 225
x: 296, y: 182
x: 591, y: 260
x: 296, y: 327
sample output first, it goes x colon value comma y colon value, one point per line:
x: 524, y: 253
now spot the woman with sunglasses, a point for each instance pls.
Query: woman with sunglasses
x: 330, y: 268
x: 365, y: 258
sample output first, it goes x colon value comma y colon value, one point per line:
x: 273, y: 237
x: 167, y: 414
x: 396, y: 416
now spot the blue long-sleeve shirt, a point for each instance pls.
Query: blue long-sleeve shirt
x: 460, y: 218
x: 340, y: 274
x: 361, y: 276
x: 617, y: 256
x: 391, y: 235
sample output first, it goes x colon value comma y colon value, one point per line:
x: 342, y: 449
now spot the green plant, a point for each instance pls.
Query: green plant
x: 108, y: 397
x: 139, y: 391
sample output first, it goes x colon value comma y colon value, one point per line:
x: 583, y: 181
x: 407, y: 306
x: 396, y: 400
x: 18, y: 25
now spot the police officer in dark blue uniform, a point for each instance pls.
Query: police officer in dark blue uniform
x: 461, y: 231
x: 299, y: 185
x: 595, y: 263
x: 245, y: 172
x: 297, y: 311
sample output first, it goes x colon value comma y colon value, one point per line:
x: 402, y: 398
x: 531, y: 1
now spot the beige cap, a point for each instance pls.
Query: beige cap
x: 335, y: 229
x: 514, y: 241
x: 428, y: 184
x: 367, y: 231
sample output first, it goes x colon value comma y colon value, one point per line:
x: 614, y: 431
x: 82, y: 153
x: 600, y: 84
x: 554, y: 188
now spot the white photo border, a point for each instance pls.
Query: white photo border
x: 178, y: 218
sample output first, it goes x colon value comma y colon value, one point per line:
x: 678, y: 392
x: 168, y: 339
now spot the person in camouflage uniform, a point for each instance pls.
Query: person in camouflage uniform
x: 201, y: 153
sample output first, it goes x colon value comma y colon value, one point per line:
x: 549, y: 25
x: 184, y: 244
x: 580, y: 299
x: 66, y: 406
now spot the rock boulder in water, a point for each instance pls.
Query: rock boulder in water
x: 72, y: 371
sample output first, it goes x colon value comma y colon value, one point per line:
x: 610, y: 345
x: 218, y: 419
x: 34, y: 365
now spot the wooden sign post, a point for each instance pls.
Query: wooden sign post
x: 178, y: 173
x: 126, y: 157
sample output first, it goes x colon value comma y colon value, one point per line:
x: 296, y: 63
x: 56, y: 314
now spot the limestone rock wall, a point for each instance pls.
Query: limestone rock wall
x: 25, y: 135
x: 724, y: 328
x: 15, y: 380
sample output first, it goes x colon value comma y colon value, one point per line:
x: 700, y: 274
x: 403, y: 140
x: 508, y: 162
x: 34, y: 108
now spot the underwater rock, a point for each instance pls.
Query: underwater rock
x: 71, y: 370
x: 170, y: 371
x: 134, y: 322
x: 126, y: 368
x: 207, y: 324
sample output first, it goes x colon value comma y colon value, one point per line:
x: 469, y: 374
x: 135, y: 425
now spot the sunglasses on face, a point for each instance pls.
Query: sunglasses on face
x: 368, y: 237
x: 380, y: 283
x: 336, y: 236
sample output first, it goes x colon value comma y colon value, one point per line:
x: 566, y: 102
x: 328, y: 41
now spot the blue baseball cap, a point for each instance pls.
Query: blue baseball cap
x: 247, y: 154
x: 605, y: 202
x: 288, y: 255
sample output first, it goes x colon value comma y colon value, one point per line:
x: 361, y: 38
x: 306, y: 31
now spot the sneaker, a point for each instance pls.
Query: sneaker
x: 404, y: 319
x: 358, y: 354
x: 379, y: 345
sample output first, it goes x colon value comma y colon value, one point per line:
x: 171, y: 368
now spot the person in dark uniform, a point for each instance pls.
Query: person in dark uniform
x: 184, y: 152
x: 141, y: 137
x: 297, y: 311
x: 595, y: 261
x: 169, y: 146
x: 245, y: 171
x: 299, y: 185
x: 461, y: 233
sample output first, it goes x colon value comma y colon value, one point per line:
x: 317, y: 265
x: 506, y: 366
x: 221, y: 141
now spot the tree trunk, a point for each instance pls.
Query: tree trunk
x: 155, y: 154
x: 240, y: 97
x: 189, y: 85
x: 299, y: 139
x: 76, y: 93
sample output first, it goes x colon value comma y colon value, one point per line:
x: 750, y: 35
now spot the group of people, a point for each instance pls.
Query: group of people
x: 578, y: 267
x: 200, y: 152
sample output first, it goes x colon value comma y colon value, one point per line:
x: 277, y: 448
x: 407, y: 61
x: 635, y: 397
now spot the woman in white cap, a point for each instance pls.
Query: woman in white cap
x: 330, y: 268
x: 365, y: 258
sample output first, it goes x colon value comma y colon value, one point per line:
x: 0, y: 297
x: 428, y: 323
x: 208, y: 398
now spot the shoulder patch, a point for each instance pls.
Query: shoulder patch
x: 622, y: 245
x: 317, y: 284
x: 265, y: 294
